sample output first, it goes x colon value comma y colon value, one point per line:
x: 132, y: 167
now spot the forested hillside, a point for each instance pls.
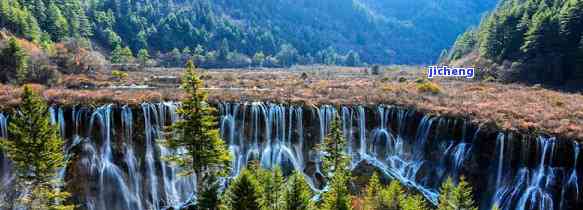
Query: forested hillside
x: 536, y: 41
x: 238, y: 33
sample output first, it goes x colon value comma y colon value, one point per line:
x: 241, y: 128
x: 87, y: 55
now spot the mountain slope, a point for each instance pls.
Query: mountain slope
x: 293, y: 31
x: 533, y: 41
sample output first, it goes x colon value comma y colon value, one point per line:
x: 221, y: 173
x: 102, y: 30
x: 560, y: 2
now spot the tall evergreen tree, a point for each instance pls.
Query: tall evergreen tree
x: 209, y: 197
x: 413, y: 202
x: 272, y: 183
x: 57, y: 24
x: 143, y: 56
x: 14, y: 62
x: 297, y: 194
x: 373, y: 190
x: 334, y: 156
x: 446, y: 195
x: 456, y: 197
x: 244, y: 193
x: 206, y: 154
x: 335, y: 161
x: 338, y: 195
x: 391, y: 196
x: 35, y: 149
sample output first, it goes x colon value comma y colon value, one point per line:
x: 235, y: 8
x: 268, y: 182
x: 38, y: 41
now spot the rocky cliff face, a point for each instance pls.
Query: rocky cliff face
x: 115, y: 160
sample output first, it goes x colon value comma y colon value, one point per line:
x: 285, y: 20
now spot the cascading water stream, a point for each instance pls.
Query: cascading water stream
x: 113, y: 166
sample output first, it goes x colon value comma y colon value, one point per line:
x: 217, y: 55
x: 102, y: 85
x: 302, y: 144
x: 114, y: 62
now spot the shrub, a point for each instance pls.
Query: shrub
x: 119, y: 75
x: 428, y: 87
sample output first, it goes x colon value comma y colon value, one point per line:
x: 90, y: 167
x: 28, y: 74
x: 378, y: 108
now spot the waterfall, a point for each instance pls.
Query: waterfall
x: 6, y: 175
x: 535, y: 183
x: 116, y: 160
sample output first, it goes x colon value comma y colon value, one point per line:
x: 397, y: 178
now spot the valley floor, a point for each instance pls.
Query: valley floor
x: 508, y: 106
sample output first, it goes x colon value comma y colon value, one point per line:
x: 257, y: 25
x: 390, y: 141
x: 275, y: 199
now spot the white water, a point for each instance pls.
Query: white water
x: 120, y: 166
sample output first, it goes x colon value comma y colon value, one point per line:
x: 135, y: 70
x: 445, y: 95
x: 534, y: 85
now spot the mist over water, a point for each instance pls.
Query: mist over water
x: 116, y: 159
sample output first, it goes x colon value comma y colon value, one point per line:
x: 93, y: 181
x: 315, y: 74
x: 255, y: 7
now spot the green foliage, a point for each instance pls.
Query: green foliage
x: 272, y: 185
x: 197, y: 132
x: 542, y: 35
x: 464, y: 44
x: 335, y: 163
x: 297, y: 194
x: 338, y: 195
x: 19, y: 20
x: 373, y: 190
x: 353, y: 59
x: 244, y: 193
x: 456, y: 197
x: 391, y: 196
x: 57, y: 25
x: 334, y: 158
x: 119, y: 74
x: 143, y: 57
x: 413, y: 202
x: 428, y: 87
x: 35, y: 149
x: 14, y: 61
x: 121, y: 55
x: 209, y: 197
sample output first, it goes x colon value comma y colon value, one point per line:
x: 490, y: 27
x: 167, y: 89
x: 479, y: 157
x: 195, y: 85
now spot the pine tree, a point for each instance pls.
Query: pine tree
x: 373, y: 190
x: 335, y: 161
x: 352, y: 59
x: 456, y: 197
x: 14, y: 61
x: 244, y: 193
x: 209, y: 197
x: 57, y: 24
x: 121, y: 55
x: 413, y: 202
x: 298, y: 194
x: 462, y: 196
x: 334, y: 157
x: 206, y: 154
x: 272, y: 183
x: 35, y: 149
x: 338, y: 196
x: 446, y: 195
x: 391, y: 196
x: 540, y: 35
x: 224, y: 50
x: 143, y: 56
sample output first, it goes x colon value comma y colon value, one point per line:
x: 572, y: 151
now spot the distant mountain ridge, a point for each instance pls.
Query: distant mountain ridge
x: 294, y: 31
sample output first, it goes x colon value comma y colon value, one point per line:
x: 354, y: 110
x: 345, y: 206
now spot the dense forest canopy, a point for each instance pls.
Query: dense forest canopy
x: 537, y: 41
x: 272, y: 32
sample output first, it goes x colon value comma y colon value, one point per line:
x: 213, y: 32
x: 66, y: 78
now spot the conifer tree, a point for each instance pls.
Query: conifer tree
x: 539, y: 39
x: 391, y: 196
x: 446, y: 195
x: 57, y: 24
x: 121, y: 55
x: 335, y: 160
x: 297, y: 194
x: 456, y: 197
x: 197, y: 132
x: 143, y: 56
x: 35, y: 149
x: 334, y: 157
x: 14, y: 61
x: 338, y: 196
x: 244, y: 193
x: 462, y: 196
x: 209, y: 197
x: 271, y: 183
x: 413, y: 202
x: 373, y: 190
